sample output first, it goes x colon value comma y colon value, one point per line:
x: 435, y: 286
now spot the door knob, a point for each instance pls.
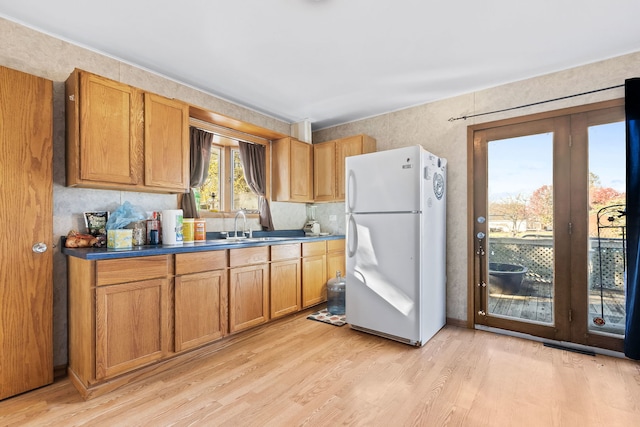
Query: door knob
x: 39, y: 247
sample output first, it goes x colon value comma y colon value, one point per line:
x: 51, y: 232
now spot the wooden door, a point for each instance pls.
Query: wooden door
x: 26, y: 279
x: 166, y: 143
x: 131, y: 326
x: 200, y: 308
x: 549, y: 229
x: 324, y: 171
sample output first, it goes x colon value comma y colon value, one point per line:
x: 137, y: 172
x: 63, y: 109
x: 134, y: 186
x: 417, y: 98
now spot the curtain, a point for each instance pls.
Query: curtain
x: 253, y: 158
x: 632, y: 111
x: 200, y: 152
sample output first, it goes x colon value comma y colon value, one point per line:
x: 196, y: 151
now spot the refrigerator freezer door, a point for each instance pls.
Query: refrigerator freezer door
x: 384, y: 181
x: 383, y: 274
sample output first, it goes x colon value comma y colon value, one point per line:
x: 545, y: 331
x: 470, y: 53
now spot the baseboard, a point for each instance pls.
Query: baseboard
x: 59, y: 371
x: 457, y: 322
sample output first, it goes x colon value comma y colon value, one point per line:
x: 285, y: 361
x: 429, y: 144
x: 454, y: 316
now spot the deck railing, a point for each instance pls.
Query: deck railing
x: 537, y: 255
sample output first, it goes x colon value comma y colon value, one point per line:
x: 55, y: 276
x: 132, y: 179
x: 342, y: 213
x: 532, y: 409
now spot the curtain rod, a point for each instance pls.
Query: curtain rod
x: 452, y: 119
x: 227, y: 132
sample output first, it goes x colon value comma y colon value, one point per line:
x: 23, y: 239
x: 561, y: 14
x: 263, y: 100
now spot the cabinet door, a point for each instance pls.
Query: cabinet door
x: 324, y: 171
x: 109, y: 146
x: 200, y: 308
x: 131, y: 326
x: 301, y: 177
x: 346, y: 147
x: 314, y: 280
x: 285, y: 287
x: 335, y: 258
x: 166, y: 143
x: 248, y: 296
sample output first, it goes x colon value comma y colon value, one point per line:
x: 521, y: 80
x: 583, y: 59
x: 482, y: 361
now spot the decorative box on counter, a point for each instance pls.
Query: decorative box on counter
x: 119, y: 239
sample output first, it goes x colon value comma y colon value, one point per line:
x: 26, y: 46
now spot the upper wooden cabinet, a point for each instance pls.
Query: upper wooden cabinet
x: 292, y: 170
x: 119, y: 137
x: 329, y: 165
x: 166, y: 143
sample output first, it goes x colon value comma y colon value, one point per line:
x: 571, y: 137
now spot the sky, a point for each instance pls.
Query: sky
x: 522, y: 165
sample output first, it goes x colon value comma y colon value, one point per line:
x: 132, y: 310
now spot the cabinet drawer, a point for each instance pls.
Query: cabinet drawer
x: 314, y: 248
x: 110, y: 271
x: 248, y: 256
x: 281, y: 252
x: 335, y: 245
x: 196, y: 262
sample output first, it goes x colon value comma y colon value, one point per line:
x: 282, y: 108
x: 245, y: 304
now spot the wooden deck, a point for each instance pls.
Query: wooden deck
x: 534, y: 302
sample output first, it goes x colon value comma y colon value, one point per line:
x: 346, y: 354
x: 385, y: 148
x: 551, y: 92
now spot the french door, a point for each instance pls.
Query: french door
x: 549, y: 243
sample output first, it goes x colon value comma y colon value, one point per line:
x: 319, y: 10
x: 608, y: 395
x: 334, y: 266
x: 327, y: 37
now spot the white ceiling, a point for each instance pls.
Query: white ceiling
x: 335, y: 61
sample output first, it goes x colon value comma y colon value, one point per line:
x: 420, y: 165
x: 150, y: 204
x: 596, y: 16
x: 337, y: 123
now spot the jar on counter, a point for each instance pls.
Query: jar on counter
x: 138, y: 233
x: 187, y: 230
x: 336, y: 297
x: 200, y: 230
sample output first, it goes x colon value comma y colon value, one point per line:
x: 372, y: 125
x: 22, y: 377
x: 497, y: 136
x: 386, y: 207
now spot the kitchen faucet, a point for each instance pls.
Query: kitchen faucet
x: 235, y: 223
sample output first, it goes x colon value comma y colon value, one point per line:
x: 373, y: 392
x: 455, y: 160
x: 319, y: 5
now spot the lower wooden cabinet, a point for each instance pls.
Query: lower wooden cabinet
x: 201, y: 299
x: 314, y: 273
x: 335, y: 258
x: 131, y: 326
x: 200, y: 308
x: 285, y: 280
x: 136, y: 314
x: 248, y: 287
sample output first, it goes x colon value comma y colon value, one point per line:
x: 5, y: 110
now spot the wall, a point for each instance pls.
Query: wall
x: 428, y: 125
x: 36, y: 53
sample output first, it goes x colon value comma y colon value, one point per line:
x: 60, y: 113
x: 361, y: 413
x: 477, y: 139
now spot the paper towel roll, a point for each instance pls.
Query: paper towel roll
x: 172, y: 227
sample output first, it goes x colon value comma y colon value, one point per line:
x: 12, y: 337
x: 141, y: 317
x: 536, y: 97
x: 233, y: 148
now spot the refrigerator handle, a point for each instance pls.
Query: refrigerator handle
x: 352, y: 237
x: 351, y: 190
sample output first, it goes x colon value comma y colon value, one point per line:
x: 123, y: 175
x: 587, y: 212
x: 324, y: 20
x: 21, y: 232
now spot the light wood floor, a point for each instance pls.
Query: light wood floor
x: 300, y: 372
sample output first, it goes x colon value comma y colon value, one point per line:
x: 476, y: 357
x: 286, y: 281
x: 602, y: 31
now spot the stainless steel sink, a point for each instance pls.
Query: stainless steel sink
x: 231, y: 240
x: 267, y: 239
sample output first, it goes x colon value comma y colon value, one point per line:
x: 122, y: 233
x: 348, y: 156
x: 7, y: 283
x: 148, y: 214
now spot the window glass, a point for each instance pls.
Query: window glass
x: 226, y: 189
x: 210, y: 194
x: 241, y: 195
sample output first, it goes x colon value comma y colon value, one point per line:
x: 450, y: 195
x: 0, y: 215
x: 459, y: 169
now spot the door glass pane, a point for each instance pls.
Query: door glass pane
x: 607, y: 227
x: 520, y: 239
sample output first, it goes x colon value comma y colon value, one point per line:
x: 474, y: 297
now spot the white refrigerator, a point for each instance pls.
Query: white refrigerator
x: 395, y: 231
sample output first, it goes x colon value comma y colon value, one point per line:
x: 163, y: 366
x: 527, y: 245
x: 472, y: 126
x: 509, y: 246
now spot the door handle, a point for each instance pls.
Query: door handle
x: 351, y: 190
x: 352, y: 237
x: 39, y: 247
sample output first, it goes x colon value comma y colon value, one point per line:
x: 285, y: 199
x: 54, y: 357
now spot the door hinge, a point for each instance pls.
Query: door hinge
x: 570, y: 141
x: 570, y: 228
x: 570, y: 315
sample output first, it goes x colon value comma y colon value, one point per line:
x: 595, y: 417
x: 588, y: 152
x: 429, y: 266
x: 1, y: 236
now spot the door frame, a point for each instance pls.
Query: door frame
x: 472, y: 243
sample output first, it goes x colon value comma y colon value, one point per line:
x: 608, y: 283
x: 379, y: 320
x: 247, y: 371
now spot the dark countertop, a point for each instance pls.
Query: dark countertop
x: 213, y: 243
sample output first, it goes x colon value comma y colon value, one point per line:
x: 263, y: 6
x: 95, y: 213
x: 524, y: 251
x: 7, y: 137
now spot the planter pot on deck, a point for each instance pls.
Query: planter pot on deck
x: 506, y: 278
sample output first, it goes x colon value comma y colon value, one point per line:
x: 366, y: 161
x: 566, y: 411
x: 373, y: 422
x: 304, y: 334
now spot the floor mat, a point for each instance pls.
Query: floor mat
x: 326, y: 317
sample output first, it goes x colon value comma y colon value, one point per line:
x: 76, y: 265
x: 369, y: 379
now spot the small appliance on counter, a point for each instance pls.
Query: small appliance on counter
x: 311, y: 227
